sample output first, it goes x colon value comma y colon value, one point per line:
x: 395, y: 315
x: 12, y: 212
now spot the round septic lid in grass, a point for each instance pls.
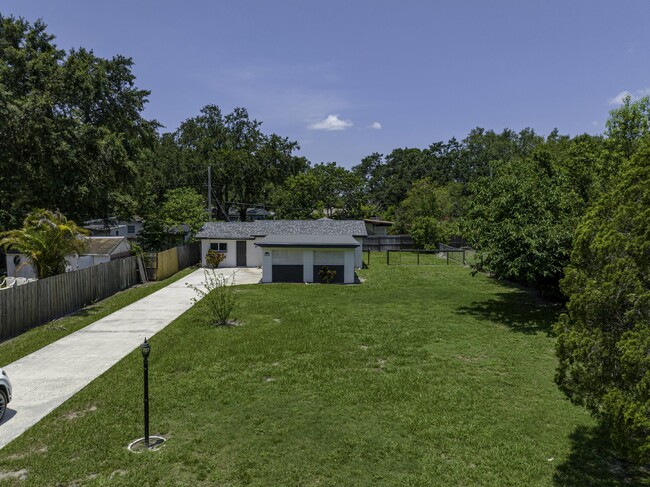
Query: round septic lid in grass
x: 155, y: 443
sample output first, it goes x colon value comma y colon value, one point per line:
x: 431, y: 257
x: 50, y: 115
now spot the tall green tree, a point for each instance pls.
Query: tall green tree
x: 626, y: 126
x: 297, y: 198
x: 246, y: 163
x: 323, y: 190
x: 521, y: 221
x: 604, y: 338
x: 72, y: 135
x: 46, y: 238
x: 165, y: 226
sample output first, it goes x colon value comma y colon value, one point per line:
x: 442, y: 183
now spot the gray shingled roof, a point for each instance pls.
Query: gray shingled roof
x: 102, y: 245
x: 261, y: 228
x: 310, y: 241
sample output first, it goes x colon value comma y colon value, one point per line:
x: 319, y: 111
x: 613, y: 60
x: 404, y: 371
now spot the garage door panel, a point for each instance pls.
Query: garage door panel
x: 328, y: 257
x: 287, y: 273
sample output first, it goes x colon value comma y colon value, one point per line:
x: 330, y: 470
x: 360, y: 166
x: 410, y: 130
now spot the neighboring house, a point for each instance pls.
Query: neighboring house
x: 99, y: 250
x: 112, y: 227
x: 375, y: 226
x: 251, y: 214
x: 288, y: 250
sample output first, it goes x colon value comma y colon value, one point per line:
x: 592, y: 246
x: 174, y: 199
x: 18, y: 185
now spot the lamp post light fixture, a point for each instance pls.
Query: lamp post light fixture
x: 148, y: 443
x: 145, y: 348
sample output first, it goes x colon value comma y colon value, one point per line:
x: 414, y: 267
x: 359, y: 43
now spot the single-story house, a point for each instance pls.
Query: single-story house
x: 288, y: 250
x: 251, y: 214
x: 375, y: 226
x: 112, y: 227
x: 99, y: 250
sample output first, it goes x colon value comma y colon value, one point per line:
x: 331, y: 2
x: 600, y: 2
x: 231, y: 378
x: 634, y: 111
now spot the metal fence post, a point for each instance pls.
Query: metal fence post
x: 387, y: 257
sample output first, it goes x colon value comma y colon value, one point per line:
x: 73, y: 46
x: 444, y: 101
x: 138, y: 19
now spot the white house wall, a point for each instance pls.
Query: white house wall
x: 26, y: 270
x: 308, y: 258
x: 229, y: 261
x: 358, y: 253
x: 253, y: 253
x: 122, y: 248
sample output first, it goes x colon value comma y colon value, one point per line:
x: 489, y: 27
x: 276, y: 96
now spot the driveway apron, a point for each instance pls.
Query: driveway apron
x: 45, y: 379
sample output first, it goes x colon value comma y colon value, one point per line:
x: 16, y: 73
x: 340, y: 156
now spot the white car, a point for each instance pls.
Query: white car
x: 5, y: 392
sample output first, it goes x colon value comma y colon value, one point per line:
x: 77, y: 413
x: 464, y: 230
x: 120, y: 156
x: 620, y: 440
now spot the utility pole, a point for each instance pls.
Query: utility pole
x: 209, y: 192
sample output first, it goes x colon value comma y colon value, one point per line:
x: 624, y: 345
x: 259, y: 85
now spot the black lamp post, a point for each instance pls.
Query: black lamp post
x: 145, y: 348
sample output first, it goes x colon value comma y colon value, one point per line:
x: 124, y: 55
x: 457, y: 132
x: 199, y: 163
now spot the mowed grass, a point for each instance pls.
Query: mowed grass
x: 36, y: 338
x: 420, y: 376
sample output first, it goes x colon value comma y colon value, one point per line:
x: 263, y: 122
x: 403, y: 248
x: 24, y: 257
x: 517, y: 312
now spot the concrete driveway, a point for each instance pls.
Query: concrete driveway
x: 45, y: 379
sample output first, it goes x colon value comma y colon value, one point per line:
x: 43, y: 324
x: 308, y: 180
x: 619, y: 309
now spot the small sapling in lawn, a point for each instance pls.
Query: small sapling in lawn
x: 219, y: 296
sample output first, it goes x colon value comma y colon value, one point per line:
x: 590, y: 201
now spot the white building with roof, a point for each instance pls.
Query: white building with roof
x: 98, y: 250
x: 288, y: 250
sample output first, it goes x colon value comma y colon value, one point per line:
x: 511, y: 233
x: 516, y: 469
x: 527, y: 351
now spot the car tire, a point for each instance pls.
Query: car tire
x: 3, y: 403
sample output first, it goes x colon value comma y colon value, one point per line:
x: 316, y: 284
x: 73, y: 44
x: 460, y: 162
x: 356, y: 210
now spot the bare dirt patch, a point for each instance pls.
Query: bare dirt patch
x: 78, y: 414
x: 18, y: 474
x: 19, y: 456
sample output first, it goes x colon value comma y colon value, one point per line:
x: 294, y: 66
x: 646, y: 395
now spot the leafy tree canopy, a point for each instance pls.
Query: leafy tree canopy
x: 165, y: 226
x: 246, y: 163
x: 604, y: 338
x: 323, y: 190
x: 71, y: 131
x: 521, y: 221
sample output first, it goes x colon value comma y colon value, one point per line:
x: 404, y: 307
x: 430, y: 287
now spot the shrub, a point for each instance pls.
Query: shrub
x: 214, y: 258
x: 219, y: 296
x: 326, y: 274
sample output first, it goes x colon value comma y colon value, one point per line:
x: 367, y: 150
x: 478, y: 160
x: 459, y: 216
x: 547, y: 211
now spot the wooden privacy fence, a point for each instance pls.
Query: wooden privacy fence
x: 161, y: 265
x: 387, y: 242
x: 35, y: 303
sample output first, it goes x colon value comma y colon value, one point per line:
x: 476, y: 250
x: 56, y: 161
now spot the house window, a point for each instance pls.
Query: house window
x: 131, y: 229
x: 219, y: 247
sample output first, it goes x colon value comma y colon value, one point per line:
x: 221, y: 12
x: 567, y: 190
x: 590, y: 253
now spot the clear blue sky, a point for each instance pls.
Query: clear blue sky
x: 386, y: 74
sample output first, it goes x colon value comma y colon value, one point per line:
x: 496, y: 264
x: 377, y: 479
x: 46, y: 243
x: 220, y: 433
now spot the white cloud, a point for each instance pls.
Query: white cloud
x: 332, y: 122
x: 375, y: 126
x: 618, y: 99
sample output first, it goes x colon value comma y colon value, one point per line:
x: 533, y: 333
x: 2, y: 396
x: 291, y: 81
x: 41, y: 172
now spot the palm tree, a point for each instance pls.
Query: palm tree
x: 46, y: 239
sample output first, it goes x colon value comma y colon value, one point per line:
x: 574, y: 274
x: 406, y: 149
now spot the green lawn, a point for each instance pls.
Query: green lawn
x: 419, y: 376
x: 36, y: 338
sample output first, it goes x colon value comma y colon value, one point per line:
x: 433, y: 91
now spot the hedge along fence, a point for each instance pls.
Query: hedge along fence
x: 35, y: 303
x: 161, y: 265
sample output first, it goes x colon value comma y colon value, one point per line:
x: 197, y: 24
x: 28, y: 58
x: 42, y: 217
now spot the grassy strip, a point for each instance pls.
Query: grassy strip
x: 36, y: 338
x: 420, y: 376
